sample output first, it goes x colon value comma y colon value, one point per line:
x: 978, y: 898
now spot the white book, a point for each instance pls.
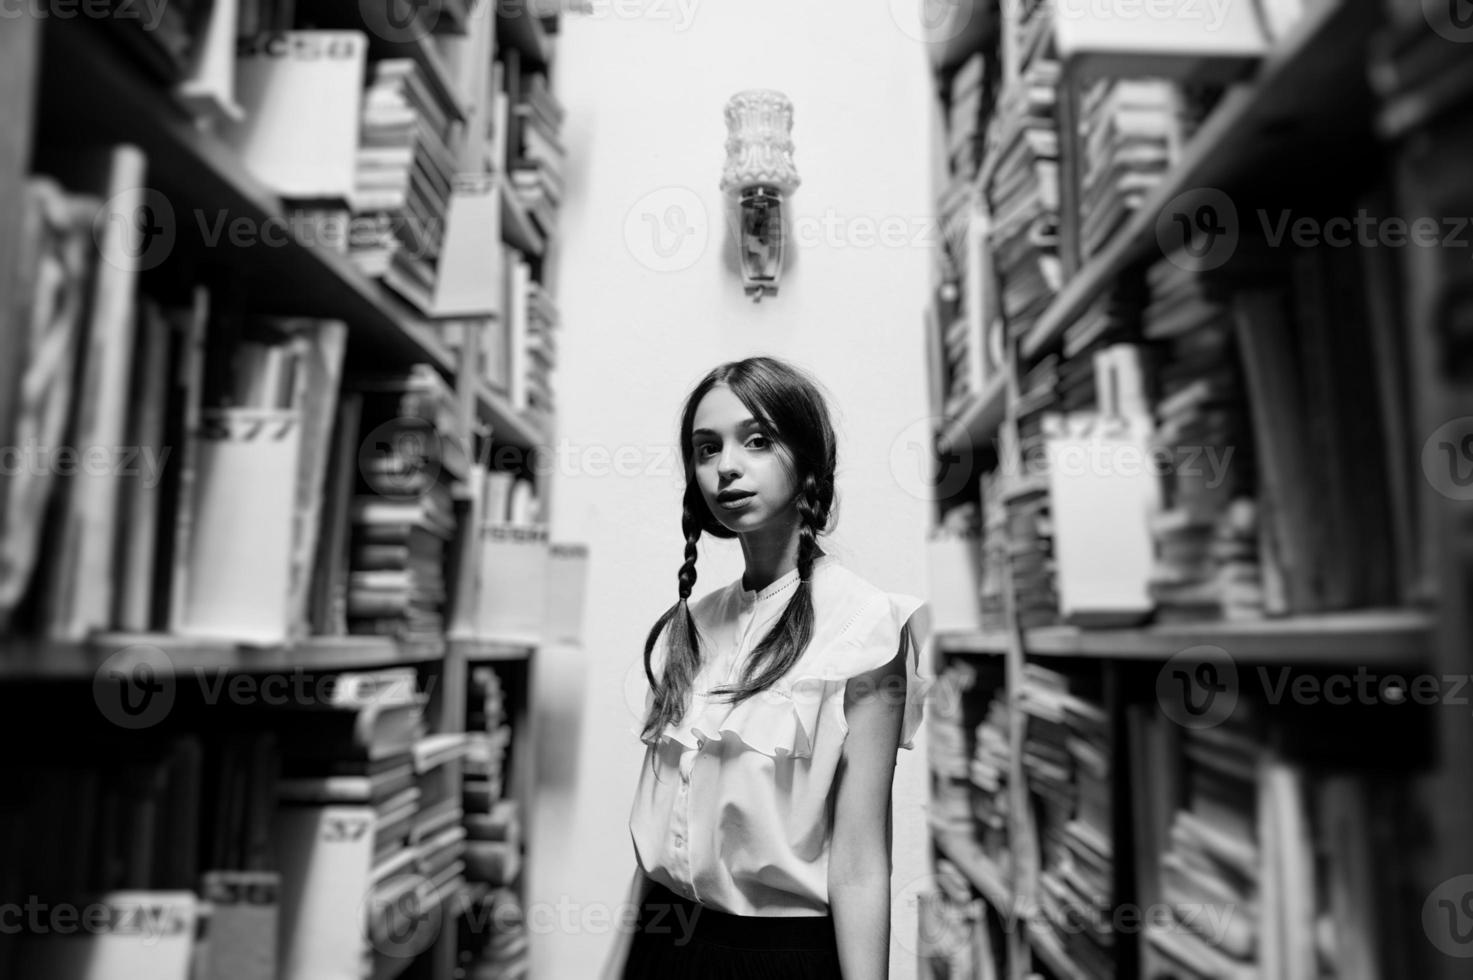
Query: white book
x: 301, y: 94
x: 143, y: 934
x: 470, y: 250
x: 238, y: 572
x: 326, y: 857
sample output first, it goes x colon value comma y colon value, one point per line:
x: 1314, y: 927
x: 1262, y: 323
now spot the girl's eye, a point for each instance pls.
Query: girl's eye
x: 758, y: 439
x: 701, y: 450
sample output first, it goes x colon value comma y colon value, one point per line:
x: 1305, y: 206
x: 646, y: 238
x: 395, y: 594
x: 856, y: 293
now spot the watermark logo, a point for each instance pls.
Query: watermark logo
x: 1211, y: 14
x: 932, y: 21
x: 1198, y: 230
x: 920, y: 470
x: 402, y: 915
x: 400, y: 459
x: 1451, y: 20
x: 400, y: 21
x: 1447, y: 917
x: 135, y: 687
x: 135, y: 229
x: 1447, y: 458
x: 1198, y: 687
x: 937, y: 934
x: 667, y: 230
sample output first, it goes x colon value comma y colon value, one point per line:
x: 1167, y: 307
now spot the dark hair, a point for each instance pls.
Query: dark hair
x: 792, y: 411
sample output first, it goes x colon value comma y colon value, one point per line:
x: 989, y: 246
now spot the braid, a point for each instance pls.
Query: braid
x: 691, y: 525
x: 809, y: 524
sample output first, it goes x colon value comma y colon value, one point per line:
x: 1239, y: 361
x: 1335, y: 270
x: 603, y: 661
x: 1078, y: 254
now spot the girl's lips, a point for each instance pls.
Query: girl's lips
x: 738, y: 503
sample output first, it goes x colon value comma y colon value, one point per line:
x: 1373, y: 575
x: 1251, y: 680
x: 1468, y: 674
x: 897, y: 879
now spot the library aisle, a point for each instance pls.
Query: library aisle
x: 343, y: 477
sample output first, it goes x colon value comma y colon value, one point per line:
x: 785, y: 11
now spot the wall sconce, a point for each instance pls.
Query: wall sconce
x: 759, y: 174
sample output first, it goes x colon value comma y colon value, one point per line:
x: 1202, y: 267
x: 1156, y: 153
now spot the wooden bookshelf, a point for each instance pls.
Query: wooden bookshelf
x: 98, y: 91
x: 1276, y: 123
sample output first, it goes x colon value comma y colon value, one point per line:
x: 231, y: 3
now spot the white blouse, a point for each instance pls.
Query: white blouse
x: 738, y: 812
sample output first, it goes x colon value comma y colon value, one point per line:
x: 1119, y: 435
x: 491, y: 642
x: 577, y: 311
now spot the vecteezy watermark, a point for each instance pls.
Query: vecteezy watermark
x: 1447, y: 458
x: 134, y: 229
x: 402, y: 916
x: 400, y: 458
x: 1198, y: 229
x: 933, y: 21
x: 1362, y: 230
x: 146, y: 920
x: 135, y: 687
x: 831, y: 230
x: 1450, y: 19
x: 1447, y: 917
x: 921, y: 471
x: 679, y: 14
x: 667, y: 230
x: 1198, y: 687
x: 150, y: 13
x: 1209, y: 13
x: 138, y: 686
x: 400, y: 21
x: 144, y: 463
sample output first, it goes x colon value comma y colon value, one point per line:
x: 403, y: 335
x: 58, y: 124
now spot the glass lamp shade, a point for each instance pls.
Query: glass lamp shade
x: 759, y: 173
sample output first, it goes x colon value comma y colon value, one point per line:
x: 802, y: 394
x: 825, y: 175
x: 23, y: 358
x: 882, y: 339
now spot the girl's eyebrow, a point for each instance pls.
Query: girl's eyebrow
x: 745, y: 423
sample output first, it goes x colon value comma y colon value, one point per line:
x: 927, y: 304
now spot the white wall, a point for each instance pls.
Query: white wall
x: 644, y: 83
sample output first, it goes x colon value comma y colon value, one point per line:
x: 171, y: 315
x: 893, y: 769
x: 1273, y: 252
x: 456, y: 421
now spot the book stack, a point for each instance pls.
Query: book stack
x: 965, y: 111
x: 992, y: 602
x: 989, y: 776
x: 485, y: 782
x: 1206, y: 534
x: 405, y: 165
x: 350, y: 800
x: 1022, y: 188
x: 414, y: 419
x: 950, y: 811
x: 396, y: 583
x: 540, y: 342
x: 501, y: 953
x: 437, y: 837
x: 1031, y: 553
x: 1211, y: 867
x: 537, y: 173
x: 1129, y: 136
x: 1068, y: 773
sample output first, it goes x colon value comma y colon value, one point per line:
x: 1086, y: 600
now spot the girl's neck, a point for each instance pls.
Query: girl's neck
x: 769, y: 559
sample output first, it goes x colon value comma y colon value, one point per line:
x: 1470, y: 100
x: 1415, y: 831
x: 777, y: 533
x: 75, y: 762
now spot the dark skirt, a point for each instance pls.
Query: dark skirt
x: 676, y: 939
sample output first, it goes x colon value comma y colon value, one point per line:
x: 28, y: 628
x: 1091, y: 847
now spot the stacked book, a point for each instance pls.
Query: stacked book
x: 950, y: 809
x: 1030, y: 538
x: 500, y: 953
x: 1022, y: 188
x: 1129, y: 138
x: 350, y: 801
x: 540, y: 341
x: 537, y: 173
x: 396, y: 583
x: 485, y: 782
x: 437, y: 838
x: 1067, y: 765
x: 1210, y: 868
x: 964, y: 114
x: 989, y: 775
x: 1206, y: 535
x: 415, y: 419
x: 995, y: 554
x: 406, y: 163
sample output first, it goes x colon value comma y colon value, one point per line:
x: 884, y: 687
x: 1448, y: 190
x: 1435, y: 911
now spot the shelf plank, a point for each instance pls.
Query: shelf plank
x: 93, y: 92
x: 1276, y: 123
x: 1370, y: 637
x: 480, y: 649
x: 978, y: 423
x: 1376, y: 637
x: 980, y: 870
x: 27, y: 658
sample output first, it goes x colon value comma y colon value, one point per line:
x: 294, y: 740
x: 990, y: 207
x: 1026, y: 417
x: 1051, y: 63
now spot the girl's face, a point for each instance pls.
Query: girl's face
x: 745, y: 475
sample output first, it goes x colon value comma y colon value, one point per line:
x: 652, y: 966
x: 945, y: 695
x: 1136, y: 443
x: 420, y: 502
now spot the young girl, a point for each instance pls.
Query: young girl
x: 762, y: 820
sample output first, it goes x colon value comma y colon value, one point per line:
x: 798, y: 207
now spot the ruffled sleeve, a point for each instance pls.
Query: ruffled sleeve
x: 872, y: 638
